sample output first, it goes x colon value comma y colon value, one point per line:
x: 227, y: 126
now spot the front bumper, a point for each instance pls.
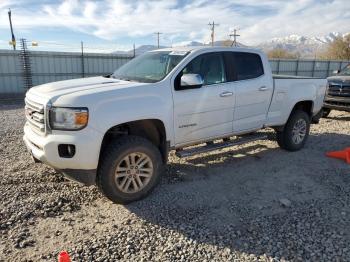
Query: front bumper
x: 87, y: 177
x: 341, y: 103
x: 82, y: 166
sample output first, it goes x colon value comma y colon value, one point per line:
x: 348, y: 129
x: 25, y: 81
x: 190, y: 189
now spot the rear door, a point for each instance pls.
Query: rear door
x: 253, y: 91
x: 205, y: 112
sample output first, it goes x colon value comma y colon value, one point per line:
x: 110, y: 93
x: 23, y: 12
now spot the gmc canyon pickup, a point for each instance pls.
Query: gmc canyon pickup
x: 116, y: 131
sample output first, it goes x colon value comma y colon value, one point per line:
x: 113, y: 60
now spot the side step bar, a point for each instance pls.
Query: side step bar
x: 215, y: 146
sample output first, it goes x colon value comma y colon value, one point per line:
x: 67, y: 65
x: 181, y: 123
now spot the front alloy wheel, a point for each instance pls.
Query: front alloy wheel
x: 133, y: 172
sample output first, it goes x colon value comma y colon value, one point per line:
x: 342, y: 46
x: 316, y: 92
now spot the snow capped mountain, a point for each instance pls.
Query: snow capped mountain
x: 297, y: 39
x: 329, y: 38
x: 303, y: 45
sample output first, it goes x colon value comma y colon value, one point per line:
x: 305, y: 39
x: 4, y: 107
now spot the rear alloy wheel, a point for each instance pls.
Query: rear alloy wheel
x: 129, y: 169
x: 299, y: 131
x: 295, y: 132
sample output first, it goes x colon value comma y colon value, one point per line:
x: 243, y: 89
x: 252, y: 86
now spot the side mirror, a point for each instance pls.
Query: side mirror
x: 191, y: 81
x: 336, y: 72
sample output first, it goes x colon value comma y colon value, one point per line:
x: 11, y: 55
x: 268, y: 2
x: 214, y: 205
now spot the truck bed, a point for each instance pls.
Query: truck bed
x: 289, y: 90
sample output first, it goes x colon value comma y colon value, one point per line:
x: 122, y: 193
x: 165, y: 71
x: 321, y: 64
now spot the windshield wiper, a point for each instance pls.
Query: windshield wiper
x: 125, y: 79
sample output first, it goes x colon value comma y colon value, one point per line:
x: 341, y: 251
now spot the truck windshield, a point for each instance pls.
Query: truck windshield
x: 345, y: 71
x: 150, y: 67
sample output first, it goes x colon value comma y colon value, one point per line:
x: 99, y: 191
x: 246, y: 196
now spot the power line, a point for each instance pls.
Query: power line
x: 234, y: 37
x: 158, y: 34
x: 212, y: 28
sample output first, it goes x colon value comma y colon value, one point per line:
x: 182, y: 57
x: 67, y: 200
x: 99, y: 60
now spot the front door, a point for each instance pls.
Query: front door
x: 205, y: 112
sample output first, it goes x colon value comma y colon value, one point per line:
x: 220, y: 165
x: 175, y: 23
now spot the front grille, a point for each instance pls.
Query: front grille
x: 35, y: 115
x: 339, y: 89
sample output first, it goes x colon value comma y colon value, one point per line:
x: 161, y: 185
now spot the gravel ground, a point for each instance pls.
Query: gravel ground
x: 253, y: 202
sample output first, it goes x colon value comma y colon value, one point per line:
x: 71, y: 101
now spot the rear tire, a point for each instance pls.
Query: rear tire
x: 130, y: 168
x: 295, y: 132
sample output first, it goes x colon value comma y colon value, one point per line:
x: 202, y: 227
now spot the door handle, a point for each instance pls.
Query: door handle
x: 263, y: 88
x: 226, y: 93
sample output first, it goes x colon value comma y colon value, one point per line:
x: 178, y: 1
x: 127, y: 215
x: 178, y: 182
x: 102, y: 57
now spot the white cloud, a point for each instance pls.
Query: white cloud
x: 5, y: 4
x: 115, y: 19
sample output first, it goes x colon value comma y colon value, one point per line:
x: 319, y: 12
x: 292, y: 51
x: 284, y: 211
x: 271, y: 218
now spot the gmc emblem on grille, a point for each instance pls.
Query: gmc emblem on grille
x: 28, y: 112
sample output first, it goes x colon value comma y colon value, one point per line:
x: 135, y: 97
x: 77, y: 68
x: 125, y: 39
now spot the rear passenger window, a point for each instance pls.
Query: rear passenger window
x: 247, y: 65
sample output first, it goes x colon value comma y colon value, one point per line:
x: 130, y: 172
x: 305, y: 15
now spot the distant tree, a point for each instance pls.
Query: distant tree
x: 339, y: 49
x: 281, y: 53
x: 227, y: 42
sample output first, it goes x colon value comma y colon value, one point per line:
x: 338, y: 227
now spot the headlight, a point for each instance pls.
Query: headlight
x: 68, y: 118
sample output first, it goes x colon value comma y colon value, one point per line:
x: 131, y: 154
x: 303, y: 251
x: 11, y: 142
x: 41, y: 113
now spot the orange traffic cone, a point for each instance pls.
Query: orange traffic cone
x: 63, y: 256
x: 345, y: 154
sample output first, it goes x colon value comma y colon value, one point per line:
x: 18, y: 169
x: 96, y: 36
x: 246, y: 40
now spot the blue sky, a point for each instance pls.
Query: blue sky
x: 108, y: 25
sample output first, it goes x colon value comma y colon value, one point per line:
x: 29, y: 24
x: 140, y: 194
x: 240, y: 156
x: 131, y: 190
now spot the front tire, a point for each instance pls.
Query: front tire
x: 296, y: 131
x: 130, y: 168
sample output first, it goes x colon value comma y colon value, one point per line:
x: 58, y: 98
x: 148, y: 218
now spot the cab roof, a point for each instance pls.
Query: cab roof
x: 209, y: 48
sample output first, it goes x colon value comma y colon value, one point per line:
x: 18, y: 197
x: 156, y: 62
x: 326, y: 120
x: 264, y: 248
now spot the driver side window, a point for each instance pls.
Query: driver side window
x: 209, y: 66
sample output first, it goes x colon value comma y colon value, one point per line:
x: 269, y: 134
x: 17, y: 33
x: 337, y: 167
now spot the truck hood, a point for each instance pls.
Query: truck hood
x: 60, y: 88
x: 339, y: 79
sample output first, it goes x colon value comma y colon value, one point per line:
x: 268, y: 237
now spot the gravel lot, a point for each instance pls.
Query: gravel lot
x: 253, y: 202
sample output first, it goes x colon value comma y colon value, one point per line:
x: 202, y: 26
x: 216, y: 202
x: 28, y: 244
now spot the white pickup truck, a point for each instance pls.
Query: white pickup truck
x: 116, y: 131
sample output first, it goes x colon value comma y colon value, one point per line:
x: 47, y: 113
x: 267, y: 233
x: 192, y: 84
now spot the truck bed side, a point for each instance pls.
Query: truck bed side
x: 288, y: 91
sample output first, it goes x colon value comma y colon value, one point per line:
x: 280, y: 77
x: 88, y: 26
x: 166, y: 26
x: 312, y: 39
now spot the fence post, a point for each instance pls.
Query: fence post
x: 340, y: 63
x: 82, y: 60
x: 297, y: 67
x: 313, y: 68
x: 278, y: 66
x: 328, y: 66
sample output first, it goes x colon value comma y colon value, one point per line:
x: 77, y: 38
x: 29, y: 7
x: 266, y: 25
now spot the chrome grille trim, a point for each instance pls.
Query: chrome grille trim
x: 35, y: 115
x: 40, y: 127
x: 338, y: 89
x: 33, y: 105
x: 38, y: 117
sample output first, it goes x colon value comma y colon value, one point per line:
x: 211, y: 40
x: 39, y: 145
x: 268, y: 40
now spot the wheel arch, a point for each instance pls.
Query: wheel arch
x: 151, y: 129
x: 305, y: 105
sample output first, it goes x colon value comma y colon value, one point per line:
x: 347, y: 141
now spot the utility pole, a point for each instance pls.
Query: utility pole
x: 158, y: 33
x: 212, y: 28
x: 13, y: 42
x: 234, y: 37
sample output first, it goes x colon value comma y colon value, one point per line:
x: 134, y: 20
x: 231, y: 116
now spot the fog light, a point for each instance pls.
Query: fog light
x: 66, y: 151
